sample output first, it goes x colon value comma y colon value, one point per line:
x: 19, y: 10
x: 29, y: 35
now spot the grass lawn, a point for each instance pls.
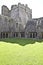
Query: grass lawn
x: 15, y: 51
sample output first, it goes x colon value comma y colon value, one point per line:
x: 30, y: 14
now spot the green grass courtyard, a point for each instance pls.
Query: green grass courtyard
x: 16, y: 51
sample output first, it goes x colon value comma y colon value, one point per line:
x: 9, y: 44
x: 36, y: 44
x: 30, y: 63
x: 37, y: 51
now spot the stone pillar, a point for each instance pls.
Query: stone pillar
x: 32, y: 35
x: 5, y: 35
x: 2, y: 34
x: 19, y: 35
x: 39, y: 35
x: 28, y: 35
x: 8, y: 35
x: 35, y: 35
x: 11, y: 35
x: 25, y: 35
x: 15, y: 34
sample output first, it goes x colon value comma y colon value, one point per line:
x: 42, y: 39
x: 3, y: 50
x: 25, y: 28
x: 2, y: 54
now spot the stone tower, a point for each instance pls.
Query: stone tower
x: 20, y: 13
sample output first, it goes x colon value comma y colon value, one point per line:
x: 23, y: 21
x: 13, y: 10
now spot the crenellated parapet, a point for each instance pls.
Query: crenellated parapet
x: 16, y: 8
x: 21, y: 13
x: 22, y: 7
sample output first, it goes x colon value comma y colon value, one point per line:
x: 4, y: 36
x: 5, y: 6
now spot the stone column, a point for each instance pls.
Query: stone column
x: 19, y: 35
x: 5, y: 35
x: 39, y: 35
x: 2, y: 35
x: 15, y: 34
x: 29, y: 35
x: 35, y: 35
x: 8, y: 35
x: 32, y: 35
x: 25, y: 35
x: 11, y: 35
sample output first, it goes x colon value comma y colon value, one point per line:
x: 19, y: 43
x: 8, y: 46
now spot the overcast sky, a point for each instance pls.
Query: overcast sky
x: 35, y: 5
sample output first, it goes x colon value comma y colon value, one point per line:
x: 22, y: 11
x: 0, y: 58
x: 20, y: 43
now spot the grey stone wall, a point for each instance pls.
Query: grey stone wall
x: 21, y: 13
x: 19, y: 21
x: 5, y: 10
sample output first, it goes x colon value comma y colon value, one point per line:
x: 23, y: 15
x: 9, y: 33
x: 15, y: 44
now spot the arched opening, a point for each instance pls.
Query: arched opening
x: 33, y: 34
x: 22, y: 34
x: 4, y: 35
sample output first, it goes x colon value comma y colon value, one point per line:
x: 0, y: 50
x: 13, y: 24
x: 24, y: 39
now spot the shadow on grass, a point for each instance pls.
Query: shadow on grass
x: 21, y: 41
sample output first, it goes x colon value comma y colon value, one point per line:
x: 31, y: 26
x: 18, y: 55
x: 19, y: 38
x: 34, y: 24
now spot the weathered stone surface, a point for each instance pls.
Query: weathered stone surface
x: 5, y: 10
x: 18, y: 22
x: 21, y: 13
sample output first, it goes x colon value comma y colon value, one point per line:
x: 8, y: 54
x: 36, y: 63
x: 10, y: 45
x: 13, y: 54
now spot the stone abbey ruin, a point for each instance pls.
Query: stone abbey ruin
x: 18, y: 22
